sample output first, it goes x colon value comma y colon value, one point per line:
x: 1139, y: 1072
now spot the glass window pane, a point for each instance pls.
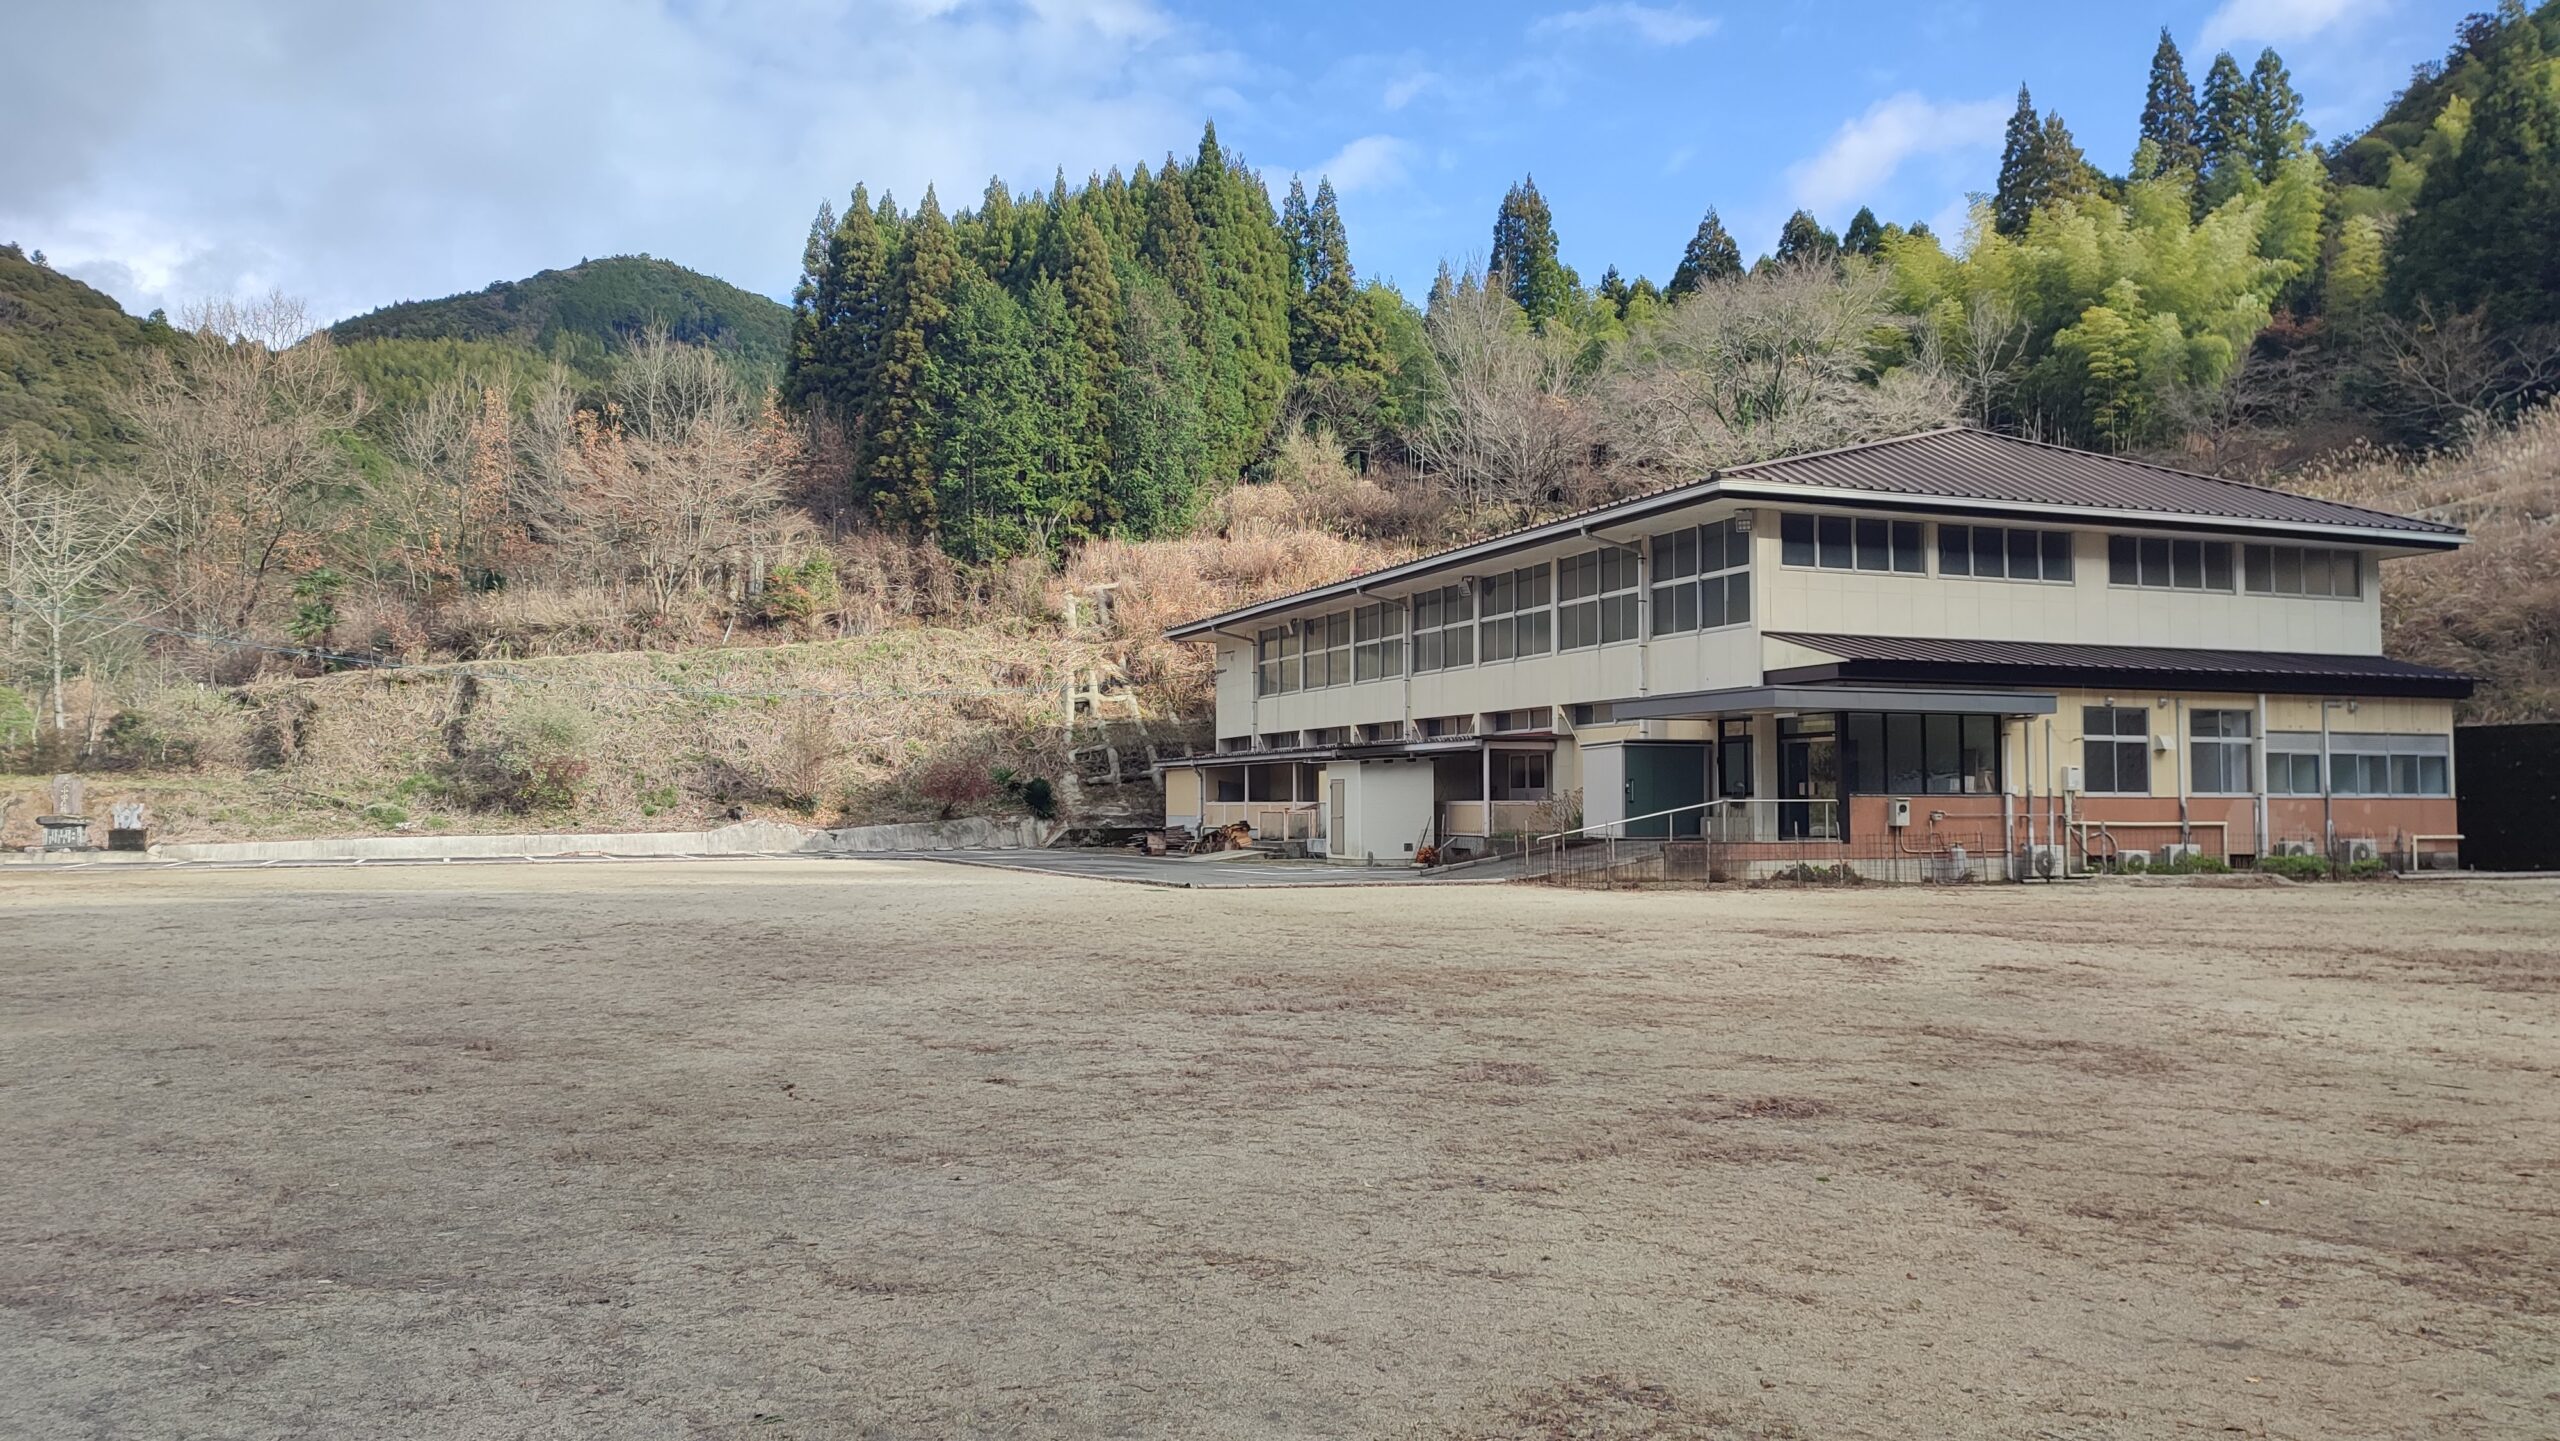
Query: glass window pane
x: 1906, y: 547
x: 1902, y: 767
x: 1942, y: 751
x: 1981, y: 761
x: 2433, y: 776
x: 2347, y: 573
x: 2186, y: 564
x: 1737, y: 547
x: 1990, y: 547
x: 1710, y: 603
x: 2023, y: 558
x: 1684, y: 553
x: 2315, y: 572
x: 2217, y: 565
x: 2288, y: 570
x: 1711, y: 546
x: 2155, y: 562
x: 2258, y: 569
x: 1874, y: 552
x: 1737, y: 598
x: 1795, y: 540
x: 2057, y: 555
x: 1955, y: 550
x: 1864, y: 765
x: 1684, y: 607
x: 2123, y: 568
x: 1665, y: 621
x: 2404, y: 775
x: 1834, y: 531
x: 1462, y: 647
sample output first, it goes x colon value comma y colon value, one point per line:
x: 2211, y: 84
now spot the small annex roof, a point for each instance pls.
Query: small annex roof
x: 1927, y: 660
x: 1958, y: 470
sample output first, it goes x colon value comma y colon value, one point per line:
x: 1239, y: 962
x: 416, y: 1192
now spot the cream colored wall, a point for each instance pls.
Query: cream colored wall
x: 2088, y: 610
x: 2284, y: 713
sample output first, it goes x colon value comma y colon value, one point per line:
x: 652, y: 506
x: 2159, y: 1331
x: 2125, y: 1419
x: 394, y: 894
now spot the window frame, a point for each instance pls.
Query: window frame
x: 1451, y: 624
x: 1854, y: 540
x: 2158, y: 562
x: 1609, y: 612
x: 1379, y: 654
x: 2117, y: 740
x: 2221, y: 744
x: 1676, y: 587
x: 2049, y: 545
x: 2275, y: 561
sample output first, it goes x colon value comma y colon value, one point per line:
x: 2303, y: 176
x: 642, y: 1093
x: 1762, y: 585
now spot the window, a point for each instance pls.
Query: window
x: 1520, y: 776
x: 1733, y: 760
x: 1441, y: 727
x: 1377, y: 642
x: 1836, y: 542
x: 1596, y: 598
x: 1992, y: 552
x: 1515, y: 620
x: 1328, y: 650
x: 2389, y: 765
x: 2293, y: 763
x: 1536, y: 718
x: 1377, y: 732
x: 1444, y: 632
x: 1276, y: 670
x: 2115, y: 750
x: 1920, y: 754
x: 2219, y: 740
x: 1701, y: 578
x: 2302, y: 570
x: 1592, y: 713
x: 2158, y: 564
x: 1230, y: 782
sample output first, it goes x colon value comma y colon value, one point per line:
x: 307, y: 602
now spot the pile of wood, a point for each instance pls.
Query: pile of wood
x: 1235, y: 837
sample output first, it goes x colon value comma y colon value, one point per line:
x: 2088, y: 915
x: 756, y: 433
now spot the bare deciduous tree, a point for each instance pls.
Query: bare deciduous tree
x: 1509, y: 427
x: 1774, y: 363
x: 242, y: 443
x: 2448, y: 375
x: 680, y: 480
x: 59, y: 547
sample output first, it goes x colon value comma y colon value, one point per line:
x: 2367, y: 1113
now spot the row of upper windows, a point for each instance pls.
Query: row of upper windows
x: 1701, y: 580
x: 1995, y: 552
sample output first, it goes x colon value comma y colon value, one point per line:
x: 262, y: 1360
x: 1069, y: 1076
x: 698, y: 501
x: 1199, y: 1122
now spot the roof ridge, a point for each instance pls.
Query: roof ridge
x: 2153, y: 465
x: 1802, y: 455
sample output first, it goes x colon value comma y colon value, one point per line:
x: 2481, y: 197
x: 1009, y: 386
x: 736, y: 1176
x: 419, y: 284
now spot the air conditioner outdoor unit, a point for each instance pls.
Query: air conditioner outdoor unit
x: 2172, y: 854
x: 2359, y: 849
x: 2296, y: 848
x: 2042, y: 862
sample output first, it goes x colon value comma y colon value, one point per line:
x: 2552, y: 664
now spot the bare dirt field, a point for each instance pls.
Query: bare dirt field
x: 906, y: 1150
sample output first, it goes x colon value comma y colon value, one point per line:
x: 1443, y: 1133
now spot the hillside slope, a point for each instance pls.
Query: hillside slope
x: 590, y: 309
x: 66, y: 351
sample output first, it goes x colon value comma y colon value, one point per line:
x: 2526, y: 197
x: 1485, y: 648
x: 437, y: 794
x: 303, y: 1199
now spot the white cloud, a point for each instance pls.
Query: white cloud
x: 2275, y: 21
x: 1368, y: 163
x: 1654, y: 24
x: 1402, y: 90
x: 1866, y: 152
x: 361, y: 154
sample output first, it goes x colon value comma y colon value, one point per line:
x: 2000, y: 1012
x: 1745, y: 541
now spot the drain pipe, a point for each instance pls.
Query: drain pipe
x: 2178, y: 737
x: 2258, y: 754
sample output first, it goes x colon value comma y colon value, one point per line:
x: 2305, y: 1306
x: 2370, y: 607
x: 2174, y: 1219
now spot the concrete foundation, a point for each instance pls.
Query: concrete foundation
x: 744, y: 838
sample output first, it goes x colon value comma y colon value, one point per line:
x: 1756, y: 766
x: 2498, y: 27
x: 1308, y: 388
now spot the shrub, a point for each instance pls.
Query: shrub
x: 2295, y: 868
x: 534, y: 762
x: 2198, y: 864
x: 802, y: 593
x: 17, y: 718
x: 384, y: 813
x: 956, y: 777
x: 2366, y: 869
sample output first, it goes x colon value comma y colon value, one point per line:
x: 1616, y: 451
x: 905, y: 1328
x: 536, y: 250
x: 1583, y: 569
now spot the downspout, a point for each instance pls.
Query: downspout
x: 2258, y: 768
x: 2178, y: 738
x: 2328, y: 788
x: 1485, y: 794
x: 2008, y: 822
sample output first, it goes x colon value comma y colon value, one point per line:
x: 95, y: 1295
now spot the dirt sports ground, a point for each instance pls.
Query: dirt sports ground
x: 899, y: 1149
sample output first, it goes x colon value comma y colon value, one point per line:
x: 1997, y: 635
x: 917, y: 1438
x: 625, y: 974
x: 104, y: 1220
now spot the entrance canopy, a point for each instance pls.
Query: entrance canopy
x: 1752, y: 698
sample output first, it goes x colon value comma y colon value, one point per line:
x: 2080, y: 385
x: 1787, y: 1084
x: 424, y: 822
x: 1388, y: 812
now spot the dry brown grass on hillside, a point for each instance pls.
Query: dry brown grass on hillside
x: 2493, y: 607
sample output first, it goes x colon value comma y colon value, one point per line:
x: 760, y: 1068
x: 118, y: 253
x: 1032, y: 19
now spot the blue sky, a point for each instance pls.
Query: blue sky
x: 356, y: 155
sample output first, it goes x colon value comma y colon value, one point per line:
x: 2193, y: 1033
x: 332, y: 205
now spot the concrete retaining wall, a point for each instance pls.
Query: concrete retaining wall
x: 744, y: 838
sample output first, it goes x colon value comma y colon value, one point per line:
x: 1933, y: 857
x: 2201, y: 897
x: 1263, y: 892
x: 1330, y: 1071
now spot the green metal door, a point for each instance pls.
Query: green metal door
x: 1664, y: 777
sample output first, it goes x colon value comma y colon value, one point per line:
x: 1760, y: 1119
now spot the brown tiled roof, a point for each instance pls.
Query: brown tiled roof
x: 1967, y: 464
x: 1886, y: 658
